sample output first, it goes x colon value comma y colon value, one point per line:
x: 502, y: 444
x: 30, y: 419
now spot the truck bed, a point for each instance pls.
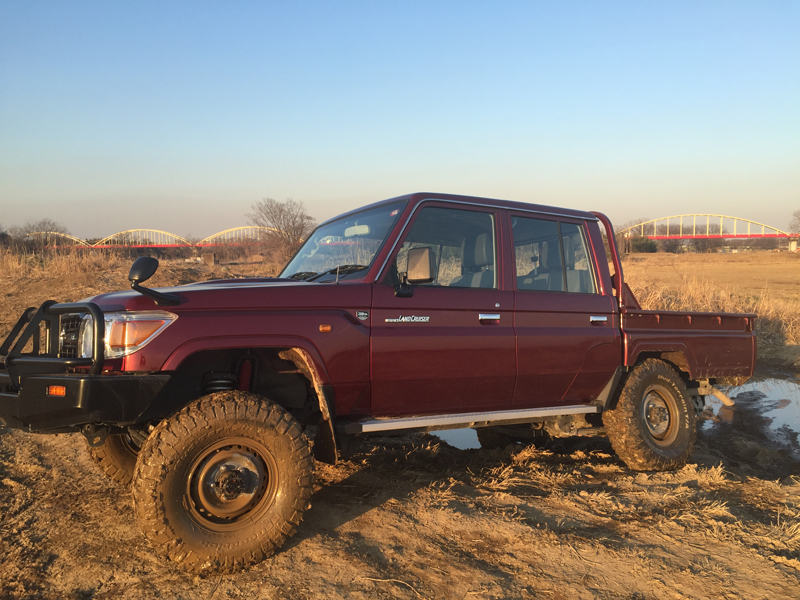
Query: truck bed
x: 706, y: 345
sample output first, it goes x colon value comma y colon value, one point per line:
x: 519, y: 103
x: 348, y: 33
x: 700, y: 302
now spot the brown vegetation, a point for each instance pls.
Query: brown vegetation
x: 767, y: 284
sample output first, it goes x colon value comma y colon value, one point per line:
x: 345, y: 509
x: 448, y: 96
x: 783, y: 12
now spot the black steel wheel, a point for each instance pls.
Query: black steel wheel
x: 223, y: 483
x: 653, y: 426
x: 116, y: 457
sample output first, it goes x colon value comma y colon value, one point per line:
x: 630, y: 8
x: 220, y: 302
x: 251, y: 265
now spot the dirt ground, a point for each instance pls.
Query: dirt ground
x: 411, y: 517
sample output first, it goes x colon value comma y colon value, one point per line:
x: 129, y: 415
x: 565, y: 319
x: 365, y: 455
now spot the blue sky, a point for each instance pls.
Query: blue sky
x: 180, y: 115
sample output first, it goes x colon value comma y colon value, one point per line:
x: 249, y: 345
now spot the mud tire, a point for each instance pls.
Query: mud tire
x: 491, y: 438
x: 653, y: 383
x: 116, y: 458
x: 190, y: 453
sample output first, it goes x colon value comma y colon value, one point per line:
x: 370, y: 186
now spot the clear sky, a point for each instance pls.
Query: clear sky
x: 179, y: 115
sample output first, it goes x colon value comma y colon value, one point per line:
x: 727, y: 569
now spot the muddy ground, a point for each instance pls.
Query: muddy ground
x: 411, y: 517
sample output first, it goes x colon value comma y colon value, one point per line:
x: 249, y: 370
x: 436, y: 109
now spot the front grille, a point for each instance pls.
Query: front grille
x: 70, y: 329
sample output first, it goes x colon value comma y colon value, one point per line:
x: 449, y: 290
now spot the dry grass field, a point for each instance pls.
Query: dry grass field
x: 411, y: 517
x: 764, y: 283
x: 756, y: 274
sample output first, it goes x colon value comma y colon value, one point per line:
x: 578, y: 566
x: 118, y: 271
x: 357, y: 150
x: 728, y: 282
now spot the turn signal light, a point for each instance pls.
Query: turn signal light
x: 128, y: 334
x: 325, y: 328
x: 56, y: 390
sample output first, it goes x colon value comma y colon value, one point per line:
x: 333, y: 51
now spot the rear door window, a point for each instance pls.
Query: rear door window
x: 551, y: 256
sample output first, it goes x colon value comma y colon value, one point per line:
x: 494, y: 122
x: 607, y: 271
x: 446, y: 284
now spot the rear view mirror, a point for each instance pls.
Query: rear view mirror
x: 356, y: 230
x: 420, y: 265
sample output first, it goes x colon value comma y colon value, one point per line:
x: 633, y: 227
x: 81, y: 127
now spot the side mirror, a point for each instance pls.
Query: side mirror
x: 420, y: 265
x: 143, y: 269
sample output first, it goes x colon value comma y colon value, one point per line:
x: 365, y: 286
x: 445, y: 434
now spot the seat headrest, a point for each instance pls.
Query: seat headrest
x: 552, y: 256
x: 569, y: 253
x: 477, y: 251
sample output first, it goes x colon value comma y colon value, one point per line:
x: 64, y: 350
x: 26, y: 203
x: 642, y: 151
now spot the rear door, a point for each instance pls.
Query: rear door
x: 567, y: 336
x: 449, y: 347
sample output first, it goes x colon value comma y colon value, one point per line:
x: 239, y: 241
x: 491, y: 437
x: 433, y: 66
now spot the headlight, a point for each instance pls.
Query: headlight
x: 126, y: 332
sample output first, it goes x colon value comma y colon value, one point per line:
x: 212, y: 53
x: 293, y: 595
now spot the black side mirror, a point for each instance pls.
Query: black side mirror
x: 143, y: 269
x: 420, y: 265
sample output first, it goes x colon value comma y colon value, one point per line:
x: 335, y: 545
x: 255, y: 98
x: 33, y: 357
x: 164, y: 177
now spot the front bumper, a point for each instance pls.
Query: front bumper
x: 110, y: 399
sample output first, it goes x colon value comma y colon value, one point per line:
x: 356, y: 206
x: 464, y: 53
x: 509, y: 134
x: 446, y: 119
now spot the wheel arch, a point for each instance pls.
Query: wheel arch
x: 676, y: 359
x: 211, y: 353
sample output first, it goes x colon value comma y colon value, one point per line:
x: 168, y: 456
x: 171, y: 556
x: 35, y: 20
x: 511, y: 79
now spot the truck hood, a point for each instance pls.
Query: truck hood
x: 242, y: 294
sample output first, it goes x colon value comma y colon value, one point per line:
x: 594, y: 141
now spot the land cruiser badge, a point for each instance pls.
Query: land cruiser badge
x: 362, y: 314
x: 409, y: 319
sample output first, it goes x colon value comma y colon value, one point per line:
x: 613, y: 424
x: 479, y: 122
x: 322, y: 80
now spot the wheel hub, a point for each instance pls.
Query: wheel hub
x: 231, y: 484
x: 228, y: 482
x: 656, y: 414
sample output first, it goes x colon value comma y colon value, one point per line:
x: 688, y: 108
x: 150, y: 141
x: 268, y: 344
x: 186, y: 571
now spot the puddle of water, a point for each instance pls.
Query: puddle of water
x: 463, y: 439
x: 776, y: 400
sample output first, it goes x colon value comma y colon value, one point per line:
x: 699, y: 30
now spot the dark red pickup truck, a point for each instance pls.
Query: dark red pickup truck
x: 419, y: 313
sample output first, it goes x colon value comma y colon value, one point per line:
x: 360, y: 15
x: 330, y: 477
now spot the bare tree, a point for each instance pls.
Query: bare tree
x: 43, y: 225
x: 20, y: 238
x: 287, y: 223
x: 794, y: 226
x: 629, y: 242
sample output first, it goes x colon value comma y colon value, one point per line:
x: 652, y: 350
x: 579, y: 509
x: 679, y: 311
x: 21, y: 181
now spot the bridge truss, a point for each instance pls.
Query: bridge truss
x: 686, y: 227
x: 143, y: 238
x: 237, y: 236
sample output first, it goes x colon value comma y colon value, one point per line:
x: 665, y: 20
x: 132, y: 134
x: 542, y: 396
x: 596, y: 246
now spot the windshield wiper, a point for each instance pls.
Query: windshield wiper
x: 341, y: 270
x: 302, y: 275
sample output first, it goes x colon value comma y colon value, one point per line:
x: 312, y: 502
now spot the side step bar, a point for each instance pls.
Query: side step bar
x: 475, y: 419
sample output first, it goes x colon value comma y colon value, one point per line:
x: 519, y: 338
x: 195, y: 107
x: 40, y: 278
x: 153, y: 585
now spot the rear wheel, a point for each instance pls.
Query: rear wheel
x: 223, y: 483
x: 505, y: 435
x: 653, y: 426
x: 116, y: 457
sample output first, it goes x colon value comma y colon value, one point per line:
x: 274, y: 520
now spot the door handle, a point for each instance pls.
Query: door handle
x: 489, y: 317
x: 595, y: 320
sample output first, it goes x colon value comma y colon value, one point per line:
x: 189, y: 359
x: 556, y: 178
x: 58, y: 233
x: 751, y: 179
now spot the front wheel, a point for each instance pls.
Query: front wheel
x: 116, y: 457
x: 653, y: 426
x: 223, y: 483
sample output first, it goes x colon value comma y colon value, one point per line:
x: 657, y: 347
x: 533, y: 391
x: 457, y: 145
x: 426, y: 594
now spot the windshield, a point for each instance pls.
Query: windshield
x: 346, y: 247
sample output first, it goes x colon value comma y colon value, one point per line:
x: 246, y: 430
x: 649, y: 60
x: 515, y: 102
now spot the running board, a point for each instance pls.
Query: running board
x: 476, y: 419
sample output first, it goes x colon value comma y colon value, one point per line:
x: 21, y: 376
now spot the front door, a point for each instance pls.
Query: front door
x: 450, y: 346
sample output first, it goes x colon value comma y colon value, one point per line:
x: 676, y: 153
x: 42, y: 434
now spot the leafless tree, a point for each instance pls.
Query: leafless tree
x: 629, y: 243
x: 794, y: 226
x: 44, y: 225
x: 288, y: 224
x: 20, y: 239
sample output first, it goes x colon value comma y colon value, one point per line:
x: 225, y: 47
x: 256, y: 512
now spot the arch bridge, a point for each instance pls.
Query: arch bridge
x: 687, y: 227
x: 143, y: 238
x: 237, y: 236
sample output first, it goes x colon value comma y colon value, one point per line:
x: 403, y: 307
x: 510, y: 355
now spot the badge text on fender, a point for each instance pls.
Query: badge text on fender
x: 409, y: 319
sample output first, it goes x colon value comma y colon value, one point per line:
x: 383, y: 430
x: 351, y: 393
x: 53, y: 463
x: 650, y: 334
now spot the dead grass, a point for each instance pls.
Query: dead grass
x: 778, y: 321
x: 56, y: 264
